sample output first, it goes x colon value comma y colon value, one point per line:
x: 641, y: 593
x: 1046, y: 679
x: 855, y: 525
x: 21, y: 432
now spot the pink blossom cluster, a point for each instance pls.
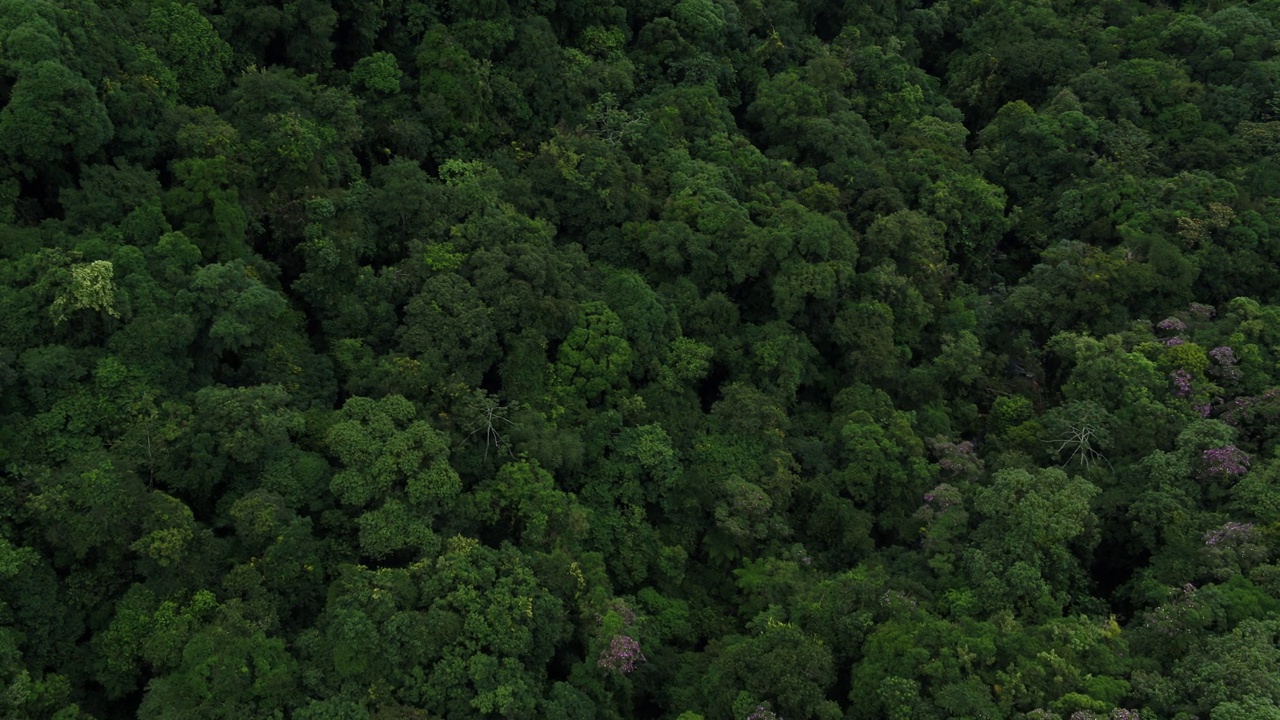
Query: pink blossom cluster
x: 801, y: 556
x: 1172, y: 323
x: 1229, y: 534
x: 894, y: 598
x: 950, y: 460
x: 943, y: 496
x: 622, y: 655
x: 956, y: 458
x: 624, y: 611
x: 1246, y: 406
x: 763, y: 713
x: 1168, y: 619
x: 1225, y: 460
x: 1226, y: 361
x: 1201, y: 311
x: 1182, y: 381
x: 1116, y: 714
x: 1236, y: 409
x: 1223, y: 355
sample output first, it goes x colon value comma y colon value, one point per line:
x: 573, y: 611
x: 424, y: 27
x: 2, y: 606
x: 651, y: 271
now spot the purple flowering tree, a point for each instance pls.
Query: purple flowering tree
x: 956, y: 459
x: 1223, y: 355
x: 1227, y: 461
x: 1248, y: 408
x: 621, y: 655
x: 760, y: 712
x: 1225, y: 363
x: 945, y: 521
x: 942, y: 497
x: 1233, y: 548
x: 1201, y: 311
x: 1229, y: 534
x: 1180, y: 616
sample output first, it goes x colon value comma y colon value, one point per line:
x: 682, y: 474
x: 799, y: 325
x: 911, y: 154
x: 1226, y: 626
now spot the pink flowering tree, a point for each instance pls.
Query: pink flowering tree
x: 621, y: 652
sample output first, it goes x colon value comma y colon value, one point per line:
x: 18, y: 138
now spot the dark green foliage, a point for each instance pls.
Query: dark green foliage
x: 678, y: 359
x: 52, y: 118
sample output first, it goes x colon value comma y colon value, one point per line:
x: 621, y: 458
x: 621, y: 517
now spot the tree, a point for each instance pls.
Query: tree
x: 247, y: 425
x: 454, y: 94
x: 296, y: 136
x: 1023, y: 55
x: 591, y: 182
x: 53, y: 117
x: 780, y: 664
x: 80, y: 507
x: 206, y: 207
x: 523, y: 500
x: 110, y: 193
x: 90, y: 288
x: 395, y: 465
x: 468, y: 630
x: 228, y: 669
x: 1034, y: 154
x: 188, y: 44
x: 449, y: 329
x: 1229, y: 669
x: 378, y: 73
x: 594, y: 359
x: 1040, y: 531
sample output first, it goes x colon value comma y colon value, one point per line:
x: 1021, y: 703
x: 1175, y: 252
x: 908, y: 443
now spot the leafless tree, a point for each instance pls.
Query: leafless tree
x: 488, y: 415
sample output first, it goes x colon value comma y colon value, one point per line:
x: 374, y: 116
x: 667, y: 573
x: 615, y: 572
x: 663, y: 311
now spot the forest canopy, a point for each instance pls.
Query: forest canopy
x: 692, y: 360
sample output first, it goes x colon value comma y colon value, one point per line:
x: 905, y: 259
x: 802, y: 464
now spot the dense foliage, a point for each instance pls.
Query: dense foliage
x: 687, y: 359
